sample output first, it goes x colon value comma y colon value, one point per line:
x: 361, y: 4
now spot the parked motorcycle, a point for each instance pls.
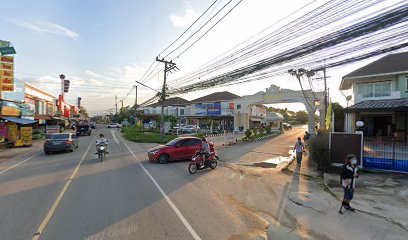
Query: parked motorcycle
x: 196, y: 160
x: 101, y: 151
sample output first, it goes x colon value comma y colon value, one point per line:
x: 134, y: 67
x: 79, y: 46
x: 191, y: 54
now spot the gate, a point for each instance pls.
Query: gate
x: 342, y: 144
x: 386, y: 154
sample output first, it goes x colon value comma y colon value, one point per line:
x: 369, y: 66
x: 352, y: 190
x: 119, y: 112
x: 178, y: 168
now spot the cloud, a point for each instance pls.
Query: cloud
x: 185, y: 20
x: 45, y: 27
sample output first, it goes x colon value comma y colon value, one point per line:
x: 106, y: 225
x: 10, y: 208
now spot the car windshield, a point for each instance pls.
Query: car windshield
x: 59, y: 136
x: 173, y: 142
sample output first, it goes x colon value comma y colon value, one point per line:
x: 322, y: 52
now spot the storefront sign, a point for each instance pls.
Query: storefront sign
x: 6, y: 73
x: 7, y: 59
x: 50, y: 129
x: 26, y: 134
x: 270, y: 97
x: 214, y: 109
x: 200, y: 109
x: 26, y: 110
x: 10, y: 111
x: 6, y: 66
x: 231, y: 106
x: 7, y: 88
x: 12, y: 133
x: 3, y: 130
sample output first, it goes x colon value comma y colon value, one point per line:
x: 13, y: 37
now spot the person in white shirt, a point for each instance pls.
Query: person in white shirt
x: 299, y: 148
x: 101, y: 140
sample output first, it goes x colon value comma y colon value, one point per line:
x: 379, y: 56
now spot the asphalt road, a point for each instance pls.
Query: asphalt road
x: 74, y: 196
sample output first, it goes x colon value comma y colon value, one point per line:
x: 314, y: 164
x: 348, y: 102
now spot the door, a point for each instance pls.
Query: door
x: 176, y: 152
x: 190, y: 147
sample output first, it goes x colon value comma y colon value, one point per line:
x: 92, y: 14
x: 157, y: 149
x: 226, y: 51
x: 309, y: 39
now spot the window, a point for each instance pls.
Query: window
x: 181, y: 112
x: 191, y: 142
x: 406, y: 79
x: 238, y: 106
x: 380, y: 89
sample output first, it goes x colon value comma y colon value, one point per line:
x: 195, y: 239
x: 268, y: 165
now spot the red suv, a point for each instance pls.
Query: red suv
x: 182, y: 148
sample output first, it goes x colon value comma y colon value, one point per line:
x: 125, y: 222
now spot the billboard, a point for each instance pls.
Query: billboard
x: 200, y: 109
x: 214, y: 109
x: 18, y: 94
x: 7, y: 73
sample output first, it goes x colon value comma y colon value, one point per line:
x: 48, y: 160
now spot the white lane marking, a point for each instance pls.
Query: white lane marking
x: 114, y: 136
x: 50, y: 213
x: 15, y: 165
x: 175, y: 209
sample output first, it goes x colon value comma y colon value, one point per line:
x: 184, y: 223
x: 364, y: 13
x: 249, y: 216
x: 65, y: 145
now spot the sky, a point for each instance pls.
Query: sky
x: 104, y: 46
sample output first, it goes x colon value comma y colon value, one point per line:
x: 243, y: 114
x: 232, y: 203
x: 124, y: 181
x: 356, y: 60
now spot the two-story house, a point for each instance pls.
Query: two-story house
x: 380, y: 95
x: 172, y: 106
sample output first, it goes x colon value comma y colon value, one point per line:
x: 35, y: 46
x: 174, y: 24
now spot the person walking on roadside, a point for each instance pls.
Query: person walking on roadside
x: 299, y: 148
x: 348, y: 175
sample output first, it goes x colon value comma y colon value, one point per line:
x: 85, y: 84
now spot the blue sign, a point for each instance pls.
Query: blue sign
x: 214, y: 109
x: 200, y: 109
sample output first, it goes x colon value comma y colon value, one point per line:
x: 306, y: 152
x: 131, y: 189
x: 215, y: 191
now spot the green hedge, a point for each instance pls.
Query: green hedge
x: 136, y: 134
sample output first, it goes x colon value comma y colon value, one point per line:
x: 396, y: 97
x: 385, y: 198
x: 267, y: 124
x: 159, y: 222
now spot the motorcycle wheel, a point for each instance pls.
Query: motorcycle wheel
x: 101, y: 157
x: 192, y: 168
x: 214, y: 164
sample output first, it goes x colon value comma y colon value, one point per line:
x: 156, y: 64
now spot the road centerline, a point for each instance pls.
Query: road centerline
x: 50, y: 213
x: 169, y: 201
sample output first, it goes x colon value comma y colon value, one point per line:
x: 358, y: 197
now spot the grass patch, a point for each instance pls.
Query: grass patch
x: 136, y: 134
x: 253, y: 137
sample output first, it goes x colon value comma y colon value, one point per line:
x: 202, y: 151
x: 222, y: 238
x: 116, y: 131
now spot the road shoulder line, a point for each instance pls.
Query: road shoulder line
x: 15, y: 165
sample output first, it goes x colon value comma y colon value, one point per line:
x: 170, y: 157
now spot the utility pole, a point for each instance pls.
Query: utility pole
x: 122, y: 104
x: 116, y: 104
x: 135, y: 97
x: 325, y: 90
x: 168, y: 66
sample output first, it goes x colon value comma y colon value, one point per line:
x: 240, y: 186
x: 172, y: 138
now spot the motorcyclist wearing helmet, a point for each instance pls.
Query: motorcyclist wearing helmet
x: 101, y: 140
x: 205, y: 150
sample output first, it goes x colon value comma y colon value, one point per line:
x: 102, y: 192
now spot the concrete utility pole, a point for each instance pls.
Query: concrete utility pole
x: 136, y: 97
x: 122, y: 104
x: 116, y: 104
x: 325, y: 89
x: 168, y: 66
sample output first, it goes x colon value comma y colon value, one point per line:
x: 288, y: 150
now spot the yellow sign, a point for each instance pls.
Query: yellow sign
x: 26, y: 134
x: 7, y: 59
x: 270, y: 97
x: 6, y: 73
x: 12, y: 133
x: 6, y: 66
x: 6, y: 80
x: 7, y: 88
x: 9, y: 111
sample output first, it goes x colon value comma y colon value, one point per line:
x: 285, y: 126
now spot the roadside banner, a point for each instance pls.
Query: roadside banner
x: 7, y: 73
x: 26, y: 134
x: 12, y: 133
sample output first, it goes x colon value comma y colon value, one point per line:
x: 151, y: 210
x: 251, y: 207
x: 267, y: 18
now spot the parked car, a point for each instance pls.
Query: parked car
x: 93, y: 125
x: 176, y: 128
x: 61, y: 142
x: 287, y: 126
x: 190, y: 129
x: 115, y: 125
x: 83, y: 129
x: 181, y: 148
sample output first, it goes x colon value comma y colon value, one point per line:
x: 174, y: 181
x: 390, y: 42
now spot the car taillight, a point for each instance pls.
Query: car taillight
x: 68, y: 142
x: 46, y: 142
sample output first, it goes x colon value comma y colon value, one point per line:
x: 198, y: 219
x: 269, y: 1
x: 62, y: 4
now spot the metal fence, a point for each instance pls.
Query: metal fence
x: 387, y: 154
x: 342, y: 144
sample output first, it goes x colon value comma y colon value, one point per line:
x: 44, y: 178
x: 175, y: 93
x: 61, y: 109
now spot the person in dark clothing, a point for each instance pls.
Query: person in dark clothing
x: 348, y: 175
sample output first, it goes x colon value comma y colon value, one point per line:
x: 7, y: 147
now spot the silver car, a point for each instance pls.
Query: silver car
x: 61, y: 142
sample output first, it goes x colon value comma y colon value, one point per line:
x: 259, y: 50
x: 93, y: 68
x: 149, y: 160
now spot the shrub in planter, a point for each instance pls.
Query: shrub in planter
x: 248, y: 133
x: 262, y: 131
x: 268, y: 130
x: 319, y: 150
x: 255, y: 131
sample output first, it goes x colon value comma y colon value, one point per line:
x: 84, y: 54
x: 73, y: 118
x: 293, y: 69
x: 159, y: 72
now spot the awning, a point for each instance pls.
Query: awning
x: 23, y: 121
x: 379, y: 106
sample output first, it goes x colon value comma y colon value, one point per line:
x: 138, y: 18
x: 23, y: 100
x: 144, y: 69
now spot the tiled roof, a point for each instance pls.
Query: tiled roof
x: 392, y: 63
x: 176, y: 101
x: 216, y: 97
x: 379, y: 105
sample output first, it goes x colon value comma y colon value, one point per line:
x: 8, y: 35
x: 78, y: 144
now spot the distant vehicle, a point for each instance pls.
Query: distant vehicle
x: 61, y: 142
x: 181, y: 148
x: 190, y: 129
x: 93, y: 125
x: 115, y: 125
x: 287, y: 126
x: 176, y: 128
x: 83, y: 129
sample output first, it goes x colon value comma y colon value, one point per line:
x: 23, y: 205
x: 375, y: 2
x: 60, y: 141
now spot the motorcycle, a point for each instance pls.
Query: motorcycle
x: 101, y: 151
x: 196, y: 160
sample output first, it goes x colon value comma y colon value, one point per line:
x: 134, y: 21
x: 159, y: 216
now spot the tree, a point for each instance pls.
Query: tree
x: 83, y: 112
x: 301, y: 117
x: 336, y: 105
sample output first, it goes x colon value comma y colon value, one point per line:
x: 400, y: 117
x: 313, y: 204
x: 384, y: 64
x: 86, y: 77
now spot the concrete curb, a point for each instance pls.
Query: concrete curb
x: 260, y: 138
